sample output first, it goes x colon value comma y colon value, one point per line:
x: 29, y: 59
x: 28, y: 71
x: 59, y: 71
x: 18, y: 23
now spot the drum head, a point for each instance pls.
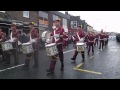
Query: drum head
x: 80, y: 44
x: 49, y: 45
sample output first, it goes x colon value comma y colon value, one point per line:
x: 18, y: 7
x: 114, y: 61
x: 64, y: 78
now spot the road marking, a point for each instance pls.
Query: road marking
x: 24, y: 64
x: 115, y: 50
x: 11, y: 67
x: 69, y: 51
x: 91, y: 57
x: 97, y: 52
x: 79, y: 65
x: 82, y: 70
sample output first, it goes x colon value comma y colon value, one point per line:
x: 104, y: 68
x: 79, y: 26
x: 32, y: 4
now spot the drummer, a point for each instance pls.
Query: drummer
x: 2, y: 39
x: 14, y: 51
x: 96, y: 38
x: 90, y: 42
x: 106, y: 37
x: 58, y: 30
x: 34, y: 35
x: 66, y: 39
x: 81, y: 34
x: 101, y: 39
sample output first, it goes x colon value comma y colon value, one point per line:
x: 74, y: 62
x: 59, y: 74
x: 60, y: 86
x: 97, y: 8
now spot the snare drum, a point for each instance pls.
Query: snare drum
x: 80, y: 47
x: 51, y: 49
x: 27, y: 48
x: 6, y: 46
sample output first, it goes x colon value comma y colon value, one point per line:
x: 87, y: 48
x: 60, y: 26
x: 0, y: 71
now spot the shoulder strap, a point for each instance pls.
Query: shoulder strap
x: 78, y: 36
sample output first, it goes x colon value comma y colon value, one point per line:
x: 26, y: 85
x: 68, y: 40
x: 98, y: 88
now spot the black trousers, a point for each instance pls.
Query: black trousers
x: 61, y: 57
x: 2, y: 52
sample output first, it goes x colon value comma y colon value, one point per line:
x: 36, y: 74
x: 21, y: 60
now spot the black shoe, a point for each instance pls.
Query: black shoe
x: 35, y: 66
x: 26, y: 66
x: 50, y: 71
x: 7, y: 64
x: 83, y: 60
x: 62, y: 67
x: 73, y: 59
x: 2, y: 61
x: 16, y: 64
x: 88, y: 54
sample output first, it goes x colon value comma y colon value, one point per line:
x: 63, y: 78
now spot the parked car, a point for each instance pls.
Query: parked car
x: 118, y: 37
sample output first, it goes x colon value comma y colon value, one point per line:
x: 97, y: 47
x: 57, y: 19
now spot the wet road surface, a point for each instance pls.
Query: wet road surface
x: 104, y: 64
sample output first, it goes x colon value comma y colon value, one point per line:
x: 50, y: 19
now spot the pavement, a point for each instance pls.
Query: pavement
x: 104, y: 64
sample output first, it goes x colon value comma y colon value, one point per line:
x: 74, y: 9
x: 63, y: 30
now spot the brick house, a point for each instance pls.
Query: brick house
x: 21, y: 18
x: 46, y: 19
x: 74, y: 22
x: 43, y: 20
x: 24, y: 17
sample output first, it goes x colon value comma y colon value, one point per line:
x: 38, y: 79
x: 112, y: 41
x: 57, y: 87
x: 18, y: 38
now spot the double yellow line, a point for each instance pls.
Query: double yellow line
x: 82, y: 70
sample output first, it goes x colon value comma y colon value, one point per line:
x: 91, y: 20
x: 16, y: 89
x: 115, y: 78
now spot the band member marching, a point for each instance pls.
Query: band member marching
x: 96, y: 39
x: 66, y: 39
x: 14, y: 51
x: 73, y: 40
x: 101, y: 39
x: 58, y: 40
x: 33, y: 34
x: 2, y: 39
x: 91, y: 42
x: 86, y: 39
x: 106, y: 39
x: 79, y: 34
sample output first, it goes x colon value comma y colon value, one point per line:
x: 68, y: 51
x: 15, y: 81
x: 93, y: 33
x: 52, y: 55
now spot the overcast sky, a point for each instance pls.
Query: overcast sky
x: 107, y: 20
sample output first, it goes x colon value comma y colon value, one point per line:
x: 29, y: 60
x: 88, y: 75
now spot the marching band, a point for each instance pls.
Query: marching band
x: 79, y: 37
x: 82, y: 41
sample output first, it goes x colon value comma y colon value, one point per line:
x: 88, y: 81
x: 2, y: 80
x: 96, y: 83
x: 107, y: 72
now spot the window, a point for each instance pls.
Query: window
x: 43, y: 18
x: 73, y: 24
x: 65, y: 25
x: 26, y: 14
x: 55, y: 17
x: 65, y: 22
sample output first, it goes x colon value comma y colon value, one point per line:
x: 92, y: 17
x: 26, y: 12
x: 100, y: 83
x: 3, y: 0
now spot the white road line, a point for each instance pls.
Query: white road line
x: 97, y: 52
x: 69, y: 51
x: 24, y: 64
x: 11, y: 67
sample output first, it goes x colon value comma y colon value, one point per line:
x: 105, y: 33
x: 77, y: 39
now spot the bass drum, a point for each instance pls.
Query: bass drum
x: 45, y: 35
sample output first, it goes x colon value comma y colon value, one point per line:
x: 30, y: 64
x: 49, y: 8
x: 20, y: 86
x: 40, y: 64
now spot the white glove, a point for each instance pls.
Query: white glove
x: 53, y: 27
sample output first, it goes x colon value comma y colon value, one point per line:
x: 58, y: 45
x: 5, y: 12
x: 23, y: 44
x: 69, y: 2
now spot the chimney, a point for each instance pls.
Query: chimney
x: 66, y: 12
x: 83, y: 20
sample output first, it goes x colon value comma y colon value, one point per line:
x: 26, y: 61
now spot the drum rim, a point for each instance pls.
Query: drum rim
x: 51, y: 44
x: 80, y: 43
x: 26, y: 44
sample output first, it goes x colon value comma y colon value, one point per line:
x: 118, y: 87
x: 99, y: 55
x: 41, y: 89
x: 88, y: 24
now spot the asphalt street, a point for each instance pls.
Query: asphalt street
x: 104, y: 64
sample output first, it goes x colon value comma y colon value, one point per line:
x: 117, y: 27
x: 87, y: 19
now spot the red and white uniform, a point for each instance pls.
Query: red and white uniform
x: 35, y: 35
x: 80, y: 34
x: 59, y: 31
